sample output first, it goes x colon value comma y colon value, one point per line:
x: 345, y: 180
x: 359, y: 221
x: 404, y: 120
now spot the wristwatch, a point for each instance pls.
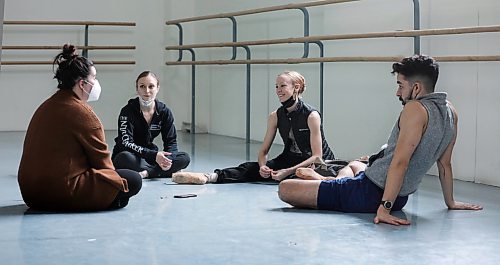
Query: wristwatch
x: 387, y: 204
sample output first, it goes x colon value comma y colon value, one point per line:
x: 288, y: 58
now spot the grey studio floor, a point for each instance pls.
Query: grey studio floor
x: 241, y: 223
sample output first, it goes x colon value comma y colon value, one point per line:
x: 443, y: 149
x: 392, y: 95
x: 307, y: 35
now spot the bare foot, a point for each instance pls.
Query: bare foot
x: 310, y: 174
x: 364, y: 158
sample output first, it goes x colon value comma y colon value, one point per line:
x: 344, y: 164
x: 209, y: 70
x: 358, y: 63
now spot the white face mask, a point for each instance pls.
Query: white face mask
x: 95, y: 92
x: 146, y: 103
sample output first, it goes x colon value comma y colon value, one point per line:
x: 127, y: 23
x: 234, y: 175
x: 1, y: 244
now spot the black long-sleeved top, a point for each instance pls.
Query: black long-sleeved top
x: 136, y: 136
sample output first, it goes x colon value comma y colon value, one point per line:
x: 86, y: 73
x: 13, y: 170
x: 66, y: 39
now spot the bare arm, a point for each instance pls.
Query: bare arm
x: 412, y: 124
x: 314, y: 124
x: 446, y: 174
x: 272, y: 127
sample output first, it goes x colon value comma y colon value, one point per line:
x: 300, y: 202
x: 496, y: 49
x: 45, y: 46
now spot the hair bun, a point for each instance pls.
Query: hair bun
x: 69, y: 51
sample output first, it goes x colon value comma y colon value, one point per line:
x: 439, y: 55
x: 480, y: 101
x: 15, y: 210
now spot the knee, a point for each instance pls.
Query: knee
x: 285, y: 190
x: 353, y: 163
x: 135, y: 185
x: 183, y: 159
x: 123, y: 159
x: 134, y: 180
x: 357, y: 166
x: 187, y: 160
x: 124, y: 155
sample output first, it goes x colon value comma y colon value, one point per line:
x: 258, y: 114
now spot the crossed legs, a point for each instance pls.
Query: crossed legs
x: 303, y: 192
x: 349, y: 171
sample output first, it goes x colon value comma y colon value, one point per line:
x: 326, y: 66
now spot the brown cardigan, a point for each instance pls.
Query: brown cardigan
x: 66, y: 165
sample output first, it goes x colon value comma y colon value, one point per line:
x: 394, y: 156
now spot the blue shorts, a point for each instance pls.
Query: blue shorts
x: 354, y: 195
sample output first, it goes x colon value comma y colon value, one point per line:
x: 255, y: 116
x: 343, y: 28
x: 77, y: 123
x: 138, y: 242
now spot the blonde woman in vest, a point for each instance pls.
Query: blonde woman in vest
x: 301, y: 129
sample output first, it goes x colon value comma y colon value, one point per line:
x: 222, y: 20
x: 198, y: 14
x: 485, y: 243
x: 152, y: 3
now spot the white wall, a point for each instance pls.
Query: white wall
x: 25, y: 87
x: 360, y: 106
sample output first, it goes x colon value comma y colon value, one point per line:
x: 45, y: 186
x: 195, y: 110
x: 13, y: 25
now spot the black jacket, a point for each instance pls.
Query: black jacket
x: 134, y: 134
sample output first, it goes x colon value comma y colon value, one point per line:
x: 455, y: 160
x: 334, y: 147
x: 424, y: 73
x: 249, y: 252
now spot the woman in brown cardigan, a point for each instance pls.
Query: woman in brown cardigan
x: 66, y: 165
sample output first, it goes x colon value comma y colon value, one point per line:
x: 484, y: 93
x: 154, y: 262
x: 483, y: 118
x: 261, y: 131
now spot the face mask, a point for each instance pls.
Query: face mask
x: 146, y: 103
x: 402, y: 101
x: 288, y: 103
x: 410, y: 97
x: 95, y: 92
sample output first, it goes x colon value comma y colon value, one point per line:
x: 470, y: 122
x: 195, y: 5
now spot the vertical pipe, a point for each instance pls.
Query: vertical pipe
x: 247, y: 114
x: 416, y: 26
x: 181, y: 40
x: 85, y: 51
x: 247, y: 136
x: 306, y: 31
x: 321, y: 76
x: 235, y: 31
x: 193, y: 101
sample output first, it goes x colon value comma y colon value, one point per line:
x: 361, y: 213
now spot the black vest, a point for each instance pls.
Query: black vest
x: 297, y: 121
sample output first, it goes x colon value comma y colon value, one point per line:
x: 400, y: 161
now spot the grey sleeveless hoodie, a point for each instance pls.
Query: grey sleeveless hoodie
x: 437, y: 136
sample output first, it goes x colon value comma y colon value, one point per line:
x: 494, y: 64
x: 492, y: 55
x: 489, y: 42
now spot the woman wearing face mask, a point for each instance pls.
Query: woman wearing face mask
x: 142, y: 120
x: 65, y: 165
x: 301, y: 129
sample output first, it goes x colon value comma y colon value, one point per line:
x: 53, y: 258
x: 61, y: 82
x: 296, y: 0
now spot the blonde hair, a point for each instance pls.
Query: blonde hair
x: 297, y: 79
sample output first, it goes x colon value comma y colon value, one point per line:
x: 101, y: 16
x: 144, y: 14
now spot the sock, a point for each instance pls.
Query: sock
x: 211, y: 177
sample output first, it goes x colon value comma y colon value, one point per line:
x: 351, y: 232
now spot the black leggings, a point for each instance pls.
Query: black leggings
x: 129, y: 160
x: 249, y: 171
x: 134, y: 181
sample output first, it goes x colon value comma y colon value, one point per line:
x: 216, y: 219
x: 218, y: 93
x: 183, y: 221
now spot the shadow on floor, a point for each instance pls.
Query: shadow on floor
x: 367, y: 217
x: 17, y: 209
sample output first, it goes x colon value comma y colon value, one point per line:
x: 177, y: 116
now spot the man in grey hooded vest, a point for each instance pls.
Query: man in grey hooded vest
x: 425, y: 133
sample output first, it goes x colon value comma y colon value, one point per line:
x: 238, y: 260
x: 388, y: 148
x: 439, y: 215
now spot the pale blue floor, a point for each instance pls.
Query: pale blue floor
x: 241, y: 223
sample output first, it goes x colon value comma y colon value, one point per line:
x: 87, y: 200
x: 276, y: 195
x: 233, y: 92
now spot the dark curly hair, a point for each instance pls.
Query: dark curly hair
x: 70, y: 67
x: 418, y: 67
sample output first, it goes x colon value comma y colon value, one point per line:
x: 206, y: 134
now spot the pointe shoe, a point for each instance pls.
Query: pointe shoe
x: 189, y: 178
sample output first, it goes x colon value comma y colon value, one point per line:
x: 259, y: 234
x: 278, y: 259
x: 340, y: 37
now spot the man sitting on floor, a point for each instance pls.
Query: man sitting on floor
x: 425, y: 133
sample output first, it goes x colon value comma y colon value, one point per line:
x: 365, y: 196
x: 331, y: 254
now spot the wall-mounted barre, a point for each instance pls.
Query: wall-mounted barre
x: 465, y: 58
x: 395, y: 34
x: 50, y: 62
x: 67, y: 23
x: 259, y: 10
x: 231, y: 15
x: 371, y: 35
x: 58, y: 47
x: 85, y: 48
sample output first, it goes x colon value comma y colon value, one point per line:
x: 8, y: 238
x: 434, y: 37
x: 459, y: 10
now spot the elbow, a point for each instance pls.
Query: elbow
x: 263, y: 152
x: 399, y: 165
x: 444, y: 170
x: 443, y: 164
